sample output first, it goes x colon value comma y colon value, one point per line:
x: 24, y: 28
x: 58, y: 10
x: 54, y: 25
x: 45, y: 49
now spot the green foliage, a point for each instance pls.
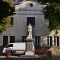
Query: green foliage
x: 49, y: 1
x: 10, y: 2
x: 52, y: 14
x: 43, y: 1
x: 4, y: 24
x: 6, y: 9
x: 54, y: 1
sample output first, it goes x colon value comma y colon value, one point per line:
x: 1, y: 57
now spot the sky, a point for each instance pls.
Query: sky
x: 17, y: 0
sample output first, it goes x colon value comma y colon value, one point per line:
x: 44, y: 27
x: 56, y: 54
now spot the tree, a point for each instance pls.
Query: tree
x: 49, y: 1
x: 10, y: 2
x: 52, y: 14
x: 43, y: 1
x: 6, y: 9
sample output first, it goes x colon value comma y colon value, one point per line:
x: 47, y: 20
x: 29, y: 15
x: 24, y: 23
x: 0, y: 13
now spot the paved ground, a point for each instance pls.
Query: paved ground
x: 44, y: 58
x: 25, y: 59
x: 25, y: 56
x: 20, y: 56
x: 28, y: 58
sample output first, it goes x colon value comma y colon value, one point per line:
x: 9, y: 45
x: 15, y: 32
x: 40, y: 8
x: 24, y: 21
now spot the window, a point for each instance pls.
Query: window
x: 37, y: 41
x: 23, y: 38
x: 56, y: 40
x: 31, y: 20
x: 11, y: 22
x: 49, y: 40
x: 10, y: 45
x: 12, y: 39
x: 31, y: 5
x: 5, y: 40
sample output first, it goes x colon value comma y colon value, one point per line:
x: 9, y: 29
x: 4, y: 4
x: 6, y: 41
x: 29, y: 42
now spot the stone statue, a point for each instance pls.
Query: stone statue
x: 30, y: 50
x: 29, y: 31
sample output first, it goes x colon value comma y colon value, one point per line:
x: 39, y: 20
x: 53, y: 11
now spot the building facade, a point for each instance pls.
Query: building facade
x: 29, y: 12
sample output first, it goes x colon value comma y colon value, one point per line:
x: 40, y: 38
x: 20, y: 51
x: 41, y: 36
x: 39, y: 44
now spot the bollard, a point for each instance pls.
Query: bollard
x: 8, y: 53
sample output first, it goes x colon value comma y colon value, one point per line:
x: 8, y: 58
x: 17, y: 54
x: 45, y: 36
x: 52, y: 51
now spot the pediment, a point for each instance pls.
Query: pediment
x: 28, y: 5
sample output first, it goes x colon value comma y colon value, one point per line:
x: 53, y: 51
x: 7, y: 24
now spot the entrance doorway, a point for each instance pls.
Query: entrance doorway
x: 5, y: 40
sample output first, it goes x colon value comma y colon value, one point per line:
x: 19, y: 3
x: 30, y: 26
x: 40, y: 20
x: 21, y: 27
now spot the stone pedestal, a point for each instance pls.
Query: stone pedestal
x: 30, y: 47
